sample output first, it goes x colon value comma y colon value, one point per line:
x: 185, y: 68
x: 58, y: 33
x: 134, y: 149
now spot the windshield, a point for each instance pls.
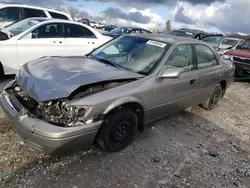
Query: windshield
x: 19, y: 27
x: 181, y: 34
x: 131, y: 53
x: 231, y: 42
x: 121, y: 30
x: 212, y: 39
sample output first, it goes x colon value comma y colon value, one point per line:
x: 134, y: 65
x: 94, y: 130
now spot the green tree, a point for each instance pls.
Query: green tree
x: 167, y: 26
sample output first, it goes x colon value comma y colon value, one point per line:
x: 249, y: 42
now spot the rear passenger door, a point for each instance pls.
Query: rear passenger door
x: 209, y: 71
x: 79, y: 40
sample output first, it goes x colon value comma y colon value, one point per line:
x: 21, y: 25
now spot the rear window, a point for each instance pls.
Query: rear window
x: 231, y: 42
x: 29, y: 13
x: 59, y: 16
x: 10, y: 14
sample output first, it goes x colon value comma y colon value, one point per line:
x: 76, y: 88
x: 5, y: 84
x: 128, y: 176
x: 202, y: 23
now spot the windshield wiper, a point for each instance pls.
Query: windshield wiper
x: 106, y: 61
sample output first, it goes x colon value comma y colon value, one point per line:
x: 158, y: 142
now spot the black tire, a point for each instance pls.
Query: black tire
x: 118, y: 130
x: 214, y: 98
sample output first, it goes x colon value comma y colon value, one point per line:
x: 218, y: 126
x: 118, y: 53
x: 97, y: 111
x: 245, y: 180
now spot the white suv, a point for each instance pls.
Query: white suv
x: 10, y: 13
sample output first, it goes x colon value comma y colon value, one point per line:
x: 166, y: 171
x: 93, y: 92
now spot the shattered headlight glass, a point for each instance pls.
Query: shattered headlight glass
x: 63, y: 114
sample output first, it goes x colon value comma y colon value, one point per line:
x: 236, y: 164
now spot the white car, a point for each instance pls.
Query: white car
x: 229, y: 44
x: 94, y: 24
x: 38, y: 37
x: 10, y: 13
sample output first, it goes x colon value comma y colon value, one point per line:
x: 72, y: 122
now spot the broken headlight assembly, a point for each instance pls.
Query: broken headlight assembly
x: 63, y: 114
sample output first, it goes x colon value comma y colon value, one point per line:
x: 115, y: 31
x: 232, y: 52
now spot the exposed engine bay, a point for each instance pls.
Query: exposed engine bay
x: 59, y: 112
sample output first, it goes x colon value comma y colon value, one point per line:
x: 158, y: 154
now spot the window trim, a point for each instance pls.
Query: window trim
x: 196, y: 57
x: 193, y: 57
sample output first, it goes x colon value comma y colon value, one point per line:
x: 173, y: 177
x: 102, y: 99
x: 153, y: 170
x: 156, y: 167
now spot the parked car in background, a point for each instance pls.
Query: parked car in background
x: 94, y: 24
x: 188, y: 33
x: 213, y: 40
x: 109, y: 27
x: 227, y: 43
x: 84, y: 21
x: 241, y: 59
x: 102, y: 25
x: 125, y: 30
x: 10, y: 13
x: 33, y: 38
x: 221, y: 43
x: 59, y: 103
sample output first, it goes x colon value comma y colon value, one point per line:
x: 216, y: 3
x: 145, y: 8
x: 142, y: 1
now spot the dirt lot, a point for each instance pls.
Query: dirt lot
x: 193, y: 148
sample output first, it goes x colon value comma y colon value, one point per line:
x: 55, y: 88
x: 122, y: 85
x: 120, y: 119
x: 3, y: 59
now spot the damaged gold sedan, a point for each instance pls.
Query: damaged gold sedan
x: 61, y: 103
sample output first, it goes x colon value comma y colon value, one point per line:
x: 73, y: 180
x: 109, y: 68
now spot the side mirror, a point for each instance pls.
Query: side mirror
x: 171, y: 73
x: 237, y: 47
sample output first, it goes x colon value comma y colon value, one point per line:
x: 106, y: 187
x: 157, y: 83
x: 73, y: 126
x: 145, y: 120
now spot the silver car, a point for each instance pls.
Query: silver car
x: 61, y: 103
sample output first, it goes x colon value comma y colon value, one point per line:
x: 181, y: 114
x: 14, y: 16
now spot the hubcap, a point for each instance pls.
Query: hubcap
x: 121, y: 130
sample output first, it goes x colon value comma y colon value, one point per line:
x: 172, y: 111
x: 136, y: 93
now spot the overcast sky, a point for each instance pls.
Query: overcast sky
x: 228, y: 16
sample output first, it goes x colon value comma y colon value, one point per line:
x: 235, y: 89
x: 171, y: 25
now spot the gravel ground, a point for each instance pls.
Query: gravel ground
x: 192, y: 148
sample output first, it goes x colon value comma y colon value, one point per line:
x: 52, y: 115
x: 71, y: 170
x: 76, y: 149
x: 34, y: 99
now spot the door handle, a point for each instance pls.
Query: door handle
x: 56, y: 41
x: 193, y: 81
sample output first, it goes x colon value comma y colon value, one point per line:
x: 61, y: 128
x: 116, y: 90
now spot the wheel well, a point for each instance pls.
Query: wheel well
x: 223, y: 84
x: 137, y: 108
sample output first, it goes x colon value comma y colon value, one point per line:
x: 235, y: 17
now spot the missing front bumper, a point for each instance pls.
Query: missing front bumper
x: 47, y: 137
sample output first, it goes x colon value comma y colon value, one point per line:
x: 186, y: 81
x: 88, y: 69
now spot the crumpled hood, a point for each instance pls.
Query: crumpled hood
x: 51, y: 78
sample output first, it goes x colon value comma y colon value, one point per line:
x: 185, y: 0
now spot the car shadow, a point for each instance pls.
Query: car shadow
x: 180, y: 150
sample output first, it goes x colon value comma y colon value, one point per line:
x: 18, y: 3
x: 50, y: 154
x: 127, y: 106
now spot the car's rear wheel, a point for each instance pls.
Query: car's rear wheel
x: 214, y: 98
x: 118, y: 130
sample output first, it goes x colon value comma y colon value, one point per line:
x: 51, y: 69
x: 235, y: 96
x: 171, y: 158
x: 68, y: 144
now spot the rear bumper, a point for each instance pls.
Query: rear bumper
x: 47, y: 137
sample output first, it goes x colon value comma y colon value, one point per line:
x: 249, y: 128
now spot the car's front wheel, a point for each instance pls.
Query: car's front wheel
x: 118, y: 130
x: 214, y: 98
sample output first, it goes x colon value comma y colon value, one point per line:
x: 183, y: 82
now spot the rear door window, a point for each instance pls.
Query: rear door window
x: 59, y: 16
x: 29, y: 13
x: 11, y: 14
x: 78, y: 31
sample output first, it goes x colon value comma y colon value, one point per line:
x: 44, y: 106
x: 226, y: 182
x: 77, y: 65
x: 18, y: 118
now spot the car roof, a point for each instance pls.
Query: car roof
x: 166, y: 38
x: 46, y: 19
x: 6, y: 4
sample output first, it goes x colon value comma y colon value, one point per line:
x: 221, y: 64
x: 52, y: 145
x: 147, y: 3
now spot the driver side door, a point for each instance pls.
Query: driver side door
x: 174, y: 94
